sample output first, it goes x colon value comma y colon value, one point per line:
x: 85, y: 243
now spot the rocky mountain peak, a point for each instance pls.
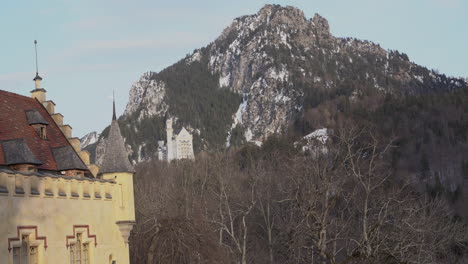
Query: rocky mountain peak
x: 89, y: 139
x: 321, y: 24
x: 293, y: 18
x: 278, y: 15
x: 270, y: 67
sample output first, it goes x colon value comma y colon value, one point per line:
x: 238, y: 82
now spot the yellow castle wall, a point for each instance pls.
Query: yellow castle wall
x: 126, y: 209
x: 55, y: 217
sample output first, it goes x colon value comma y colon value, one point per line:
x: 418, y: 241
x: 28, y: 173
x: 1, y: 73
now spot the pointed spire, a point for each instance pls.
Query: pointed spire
x: 37, y: 67
x: 38, y: 93
x: 114, y: 117
x: 115, y: 157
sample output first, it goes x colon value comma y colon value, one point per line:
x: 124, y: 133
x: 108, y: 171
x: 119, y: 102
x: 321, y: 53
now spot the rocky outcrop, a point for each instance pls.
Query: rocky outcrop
x: 274, y: 60
x: 89, y: 139
x: 147, y: 95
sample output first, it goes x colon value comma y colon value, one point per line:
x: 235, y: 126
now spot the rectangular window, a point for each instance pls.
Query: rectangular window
x: 72, y: 254
x: 85, y: 253
x: 25, y: 254
x: 24, y: 251
x: 33, y: 258
x: 78, y: 250
x: 43, y: 132
x: 16, y: 255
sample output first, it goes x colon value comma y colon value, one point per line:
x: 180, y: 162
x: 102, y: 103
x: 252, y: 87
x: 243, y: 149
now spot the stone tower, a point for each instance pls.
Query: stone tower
x: 169, y: 133
x: 116, y: 166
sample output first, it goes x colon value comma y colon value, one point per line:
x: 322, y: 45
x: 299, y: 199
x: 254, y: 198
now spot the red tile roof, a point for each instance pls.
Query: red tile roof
x: 14, y: 125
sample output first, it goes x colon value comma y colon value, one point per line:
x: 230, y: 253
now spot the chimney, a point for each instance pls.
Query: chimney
x: 38, y: 93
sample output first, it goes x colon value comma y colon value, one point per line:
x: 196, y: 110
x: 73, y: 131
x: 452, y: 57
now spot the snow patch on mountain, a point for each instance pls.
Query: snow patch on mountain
x: 196, y: 56
x: 315, y: 142
x: 89, y: 139
x: 225, y: 81
x: 320, y: 135
x: 237, y: 117
x: 280, y: 75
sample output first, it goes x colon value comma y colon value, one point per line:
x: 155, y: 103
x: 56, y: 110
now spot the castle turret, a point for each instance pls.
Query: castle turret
x: 116, y: 166
x: 169, y: 133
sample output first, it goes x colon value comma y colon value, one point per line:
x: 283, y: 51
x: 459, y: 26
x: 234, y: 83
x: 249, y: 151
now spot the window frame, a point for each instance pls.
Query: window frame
x: 79, y: 251
x: 25, y: 252
x: 43, y: 132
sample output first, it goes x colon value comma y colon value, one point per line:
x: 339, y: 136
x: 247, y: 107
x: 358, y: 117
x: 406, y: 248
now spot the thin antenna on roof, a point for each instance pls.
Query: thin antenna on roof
x: 37, y: 68
x: 113, y: 104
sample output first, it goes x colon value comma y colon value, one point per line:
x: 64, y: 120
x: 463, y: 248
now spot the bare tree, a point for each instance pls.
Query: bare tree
x: 235, y: 206
x: 340, y: 204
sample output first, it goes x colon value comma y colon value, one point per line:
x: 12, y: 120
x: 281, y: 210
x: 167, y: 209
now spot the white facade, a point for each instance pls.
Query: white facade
x: 179, y: 146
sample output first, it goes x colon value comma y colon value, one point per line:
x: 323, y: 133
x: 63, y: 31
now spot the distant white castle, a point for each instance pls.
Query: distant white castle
x: 178, y: 146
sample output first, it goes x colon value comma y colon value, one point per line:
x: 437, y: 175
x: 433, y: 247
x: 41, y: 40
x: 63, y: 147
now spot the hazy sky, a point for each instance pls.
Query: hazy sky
x: 87, y: 48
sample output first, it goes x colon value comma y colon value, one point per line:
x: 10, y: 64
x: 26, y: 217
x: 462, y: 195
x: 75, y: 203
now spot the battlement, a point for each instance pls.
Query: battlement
x: 39, y: 185
x: 51, y: 211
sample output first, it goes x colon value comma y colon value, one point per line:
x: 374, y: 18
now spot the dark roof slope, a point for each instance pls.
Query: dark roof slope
x: 17, y: 152
x: 115, y: 157
x: 34, y: 117
x: 66, y: 159
x: 14, y: 124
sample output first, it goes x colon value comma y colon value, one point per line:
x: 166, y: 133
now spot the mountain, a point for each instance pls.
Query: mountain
x: 89, y: 139
x: 89, y: 143
x: 263, y: 72
x: 268, y: 73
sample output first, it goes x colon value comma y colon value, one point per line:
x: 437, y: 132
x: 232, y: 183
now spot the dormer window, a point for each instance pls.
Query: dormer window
x: 43, y: 132
x: 18, y: 156
x: 38, y: 122
x: 24, y: 167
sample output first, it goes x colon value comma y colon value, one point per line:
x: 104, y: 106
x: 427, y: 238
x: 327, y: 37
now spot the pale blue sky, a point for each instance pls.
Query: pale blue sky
x: 87, y: 48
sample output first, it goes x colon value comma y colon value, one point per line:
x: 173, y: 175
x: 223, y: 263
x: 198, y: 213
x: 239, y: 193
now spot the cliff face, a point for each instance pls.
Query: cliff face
x: 259, y: 75
x: 89, y: 139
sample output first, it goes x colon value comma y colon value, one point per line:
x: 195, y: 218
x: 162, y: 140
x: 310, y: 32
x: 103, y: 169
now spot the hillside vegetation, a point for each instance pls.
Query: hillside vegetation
x: 275, y: 205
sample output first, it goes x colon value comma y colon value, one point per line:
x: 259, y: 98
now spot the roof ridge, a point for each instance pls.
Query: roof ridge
x: 8, y: 93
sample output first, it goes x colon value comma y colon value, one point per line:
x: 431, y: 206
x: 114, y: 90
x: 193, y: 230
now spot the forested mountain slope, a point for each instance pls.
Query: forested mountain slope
x: 278, y: 72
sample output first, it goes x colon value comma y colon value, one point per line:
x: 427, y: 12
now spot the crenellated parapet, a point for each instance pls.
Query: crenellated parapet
x: 53, y: 212
x: 50, y: 106
x: 40, y: 185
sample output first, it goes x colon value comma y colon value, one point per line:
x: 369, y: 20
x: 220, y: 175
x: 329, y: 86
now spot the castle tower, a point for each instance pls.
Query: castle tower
x: 116, y: 166
x: 169, y: 133
x: 38, y: 93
